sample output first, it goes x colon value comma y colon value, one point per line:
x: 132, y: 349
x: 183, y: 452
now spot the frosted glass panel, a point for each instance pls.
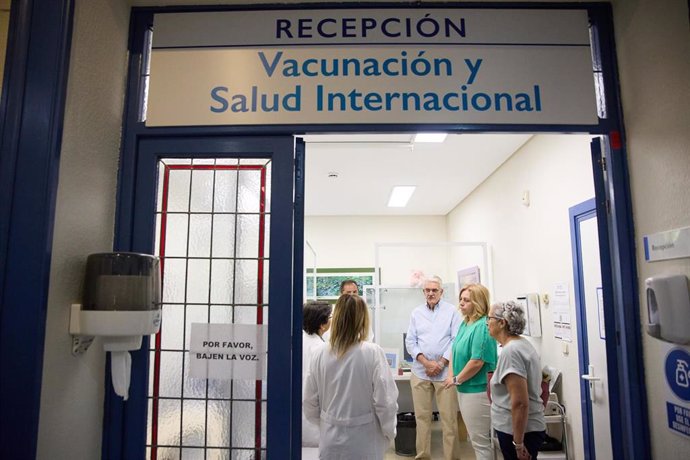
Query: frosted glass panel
x: 193, y: 454
x: 195, y: 314
x: 224, y: 235
x: 171, y: 374
x: 248, y: 191
x: 193, y: 387
x: 245, y: 281
x: 219, y: 417
x: 176, y: 231
x: 221, y: 314
x: 174, y: 280
x: 243, y: 424
x: 248, y: 235
x: 198, y: 276
x: 217, y: 454
x: 396, y: 305
x: 193, y: 422
x: 247, y: 315
x: 211, y: 264
x: 167, y: 453
x: 169, y: 413
x: 178, y: 190
x: 200, y: 235
x: 172, y: 327
x: 222, y: 281
x: 202, y: 191
x: 226, y: 191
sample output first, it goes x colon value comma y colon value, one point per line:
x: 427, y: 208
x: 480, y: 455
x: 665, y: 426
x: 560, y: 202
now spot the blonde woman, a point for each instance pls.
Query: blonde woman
x: 349, y: 391
x: 473, y: 355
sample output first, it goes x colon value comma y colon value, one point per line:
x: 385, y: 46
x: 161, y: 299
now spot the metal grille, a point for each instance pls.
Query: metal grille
x: 212, y: 237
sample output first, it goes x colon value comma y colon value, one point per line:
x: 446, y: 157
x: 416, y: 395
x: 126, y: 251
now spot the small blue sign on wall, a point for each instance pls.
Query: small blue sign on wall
x: 677, y: 370
x: 678, y: 418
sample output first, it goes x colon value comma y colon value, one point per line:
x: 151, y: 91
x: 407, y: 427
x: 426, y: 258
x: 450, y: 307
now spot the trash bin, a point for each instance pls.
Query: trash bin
x: 406, y: 436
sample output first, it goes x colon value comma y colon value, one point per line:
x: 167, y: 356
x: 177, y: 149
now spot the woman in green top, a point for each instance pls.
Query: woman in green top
x: 473, y: 355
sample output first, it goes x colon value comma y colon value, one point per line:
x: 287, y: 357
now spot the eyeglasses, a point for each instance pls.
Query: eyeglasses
x: 431, y: 291
x: 493, y: 317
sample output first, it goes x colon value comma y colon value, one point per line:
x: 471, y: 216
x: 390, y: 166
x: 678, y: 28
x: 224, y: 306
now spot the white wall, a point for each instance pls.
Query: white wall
x: 653, y: 44
x: 531, y: 245
x: 349, y: 241
x: 70, y: 424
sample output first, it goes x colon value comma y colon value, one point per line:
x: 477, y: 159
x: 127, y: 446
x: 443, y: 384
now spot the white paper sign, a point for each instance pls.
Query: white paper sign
x: 673, y: 244
x: 228, y: 351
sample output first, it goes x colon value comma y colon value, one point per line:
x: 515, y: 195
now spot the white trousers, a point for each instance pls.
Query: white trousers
x: 476, y: 412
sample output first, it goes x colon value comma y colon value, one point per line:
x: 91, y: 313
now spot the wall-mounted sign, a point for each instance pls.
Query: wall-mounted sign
x: 672, y: 244
x: 228, y: 351
x: 677, y: 372
x: 379, y: 66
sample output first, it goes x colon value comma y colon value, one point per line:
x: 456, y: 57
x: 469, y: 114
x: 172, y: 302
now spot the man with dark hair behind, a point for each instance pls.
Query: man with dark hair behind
x: 349, y: 286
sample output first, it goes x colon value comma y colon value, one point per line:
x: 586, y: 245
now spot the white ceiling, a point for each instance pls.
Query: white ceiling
x: 368, y: 166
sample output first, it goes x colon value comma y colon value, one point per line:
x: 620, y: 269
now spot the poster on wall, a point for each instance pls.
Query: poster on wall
x: 467, y: 276
x: 560, y: 310
x: 677, y: 373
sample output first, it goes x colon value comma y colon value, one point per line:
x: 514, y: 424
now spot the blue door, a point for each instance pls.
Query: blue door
x: 219, y: 212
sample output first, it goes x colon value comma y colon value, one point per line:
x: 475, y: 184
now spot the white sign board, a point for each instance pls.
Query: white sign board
x: 673, y: 244
x: 371, y: 67
x: 228, y: 351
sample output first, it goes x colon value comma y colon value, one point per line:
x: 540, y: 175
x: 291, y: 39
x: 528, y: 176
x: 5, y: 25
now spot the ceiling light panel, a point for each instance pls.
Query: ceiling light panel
x: 400, y: 195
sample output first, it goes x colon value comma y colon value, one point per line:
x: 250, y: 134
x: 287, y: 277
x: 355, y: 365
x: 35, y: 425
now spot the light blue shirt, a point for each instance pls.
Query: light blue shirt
x: 432, y: 332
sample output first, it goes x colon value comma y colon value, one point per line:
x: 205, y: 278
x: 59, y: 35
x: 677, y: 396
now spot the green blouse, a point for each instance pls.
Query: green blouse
x: 474, y: 342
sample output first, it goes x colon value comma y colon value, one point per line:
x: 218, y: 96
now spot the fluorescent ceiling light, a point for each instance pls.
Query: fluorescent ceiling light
x: 430, y: 137
x: 400, y: 196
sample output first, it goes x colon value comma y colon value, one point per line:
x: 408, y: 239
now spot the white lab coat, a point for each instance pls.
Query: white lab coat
x: 310, y: 343
x: 354, y: 400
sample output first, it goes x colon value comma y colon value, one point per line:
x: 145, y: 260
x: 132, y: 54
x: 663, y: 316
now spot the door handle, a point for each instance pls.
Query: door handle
x: 590, y: 378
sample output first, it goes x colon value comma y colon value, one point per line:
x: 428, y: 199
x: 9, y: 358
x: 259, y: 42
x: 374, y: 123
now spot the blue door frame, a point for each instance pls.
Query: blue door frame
x: 579, y: 213
x: 35, y: 81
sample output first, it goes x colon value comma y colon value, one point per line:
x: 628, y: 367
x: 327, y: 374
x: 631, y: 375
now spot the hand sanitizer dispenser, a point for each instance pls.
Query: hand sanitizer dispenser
x: 121, y: 304
x: 668, y: 307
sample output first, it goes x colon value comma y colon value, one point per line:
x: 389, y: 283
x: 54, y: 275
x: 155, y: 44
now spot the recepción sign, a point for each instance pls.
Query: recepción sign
x: 371, y: 67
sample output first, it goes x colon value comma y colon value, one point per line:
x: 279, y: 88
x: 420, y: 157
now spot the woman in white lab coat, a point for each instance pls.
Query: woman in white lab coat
x: 350, y: 392
x: 316, y: 320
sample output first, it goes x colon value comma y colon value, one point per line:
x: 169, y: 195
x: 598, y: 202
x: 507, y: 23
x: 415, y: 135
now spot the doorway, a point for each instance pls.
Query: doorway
x: 515, y: 196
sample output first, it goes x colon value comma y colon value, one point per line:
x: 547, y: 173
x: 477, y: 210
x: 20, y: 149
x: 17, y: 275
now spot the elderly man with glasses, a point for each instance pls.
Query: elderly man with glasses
x: 430, y: 335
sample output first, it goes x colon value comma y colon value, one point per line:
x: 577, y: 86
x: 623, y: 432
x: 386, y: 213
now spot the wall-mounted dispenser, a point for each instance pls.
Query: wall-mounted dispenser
x: 668, y: 307
x: 121, y: 304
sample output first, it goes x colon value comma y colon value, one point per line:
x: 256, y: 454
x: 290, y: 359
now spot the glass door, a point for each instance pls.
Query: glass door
x: 219, y: 214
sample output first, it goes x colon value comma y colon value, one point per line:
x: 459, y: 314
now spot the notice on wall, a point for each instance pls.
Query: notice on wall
x: 228, y: 351
x: 560, y: 310
x: 372, y: 66
x: 677, y: 372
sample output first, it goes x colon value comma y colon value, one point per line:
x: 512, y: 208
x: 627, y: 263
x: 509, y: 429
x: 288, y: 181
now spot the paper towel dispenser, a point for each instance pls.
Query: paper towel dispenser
x: 121, y: 304
x: 668, y: 308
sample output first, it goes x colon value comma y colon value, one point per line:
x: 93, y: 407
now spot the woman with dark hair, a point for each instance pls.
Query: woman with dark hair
x: 316, y: 320
x: 349, y: 391
x: 517, y: 410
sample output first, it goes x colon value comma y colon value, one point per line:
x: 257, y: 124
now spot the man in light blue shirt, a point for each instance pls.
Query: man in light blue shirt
x: 430, y: 336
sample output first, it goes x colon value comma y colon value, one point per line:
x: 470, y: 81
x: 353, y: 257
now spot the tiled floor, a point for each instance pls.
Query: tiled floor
x: 466, y: 451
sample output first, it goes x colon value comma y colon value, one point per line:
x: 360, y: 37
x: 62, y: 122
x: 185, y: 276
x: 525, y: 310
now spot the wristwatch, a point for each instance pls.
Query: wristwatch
x: 519, y: 445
